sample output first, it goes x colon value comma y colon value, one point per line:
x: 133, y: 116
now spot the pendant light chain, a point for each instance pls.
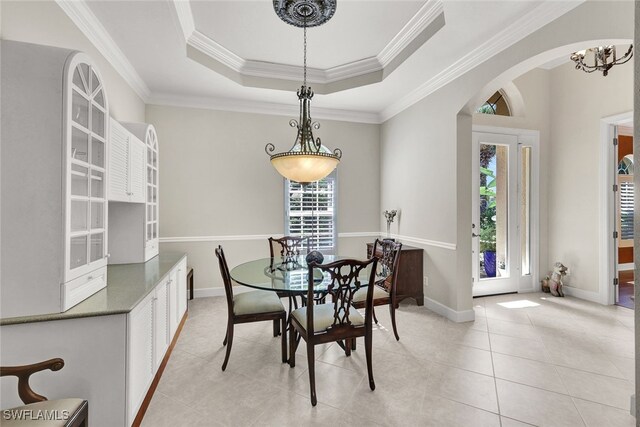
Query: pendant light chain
x: 305, y: 52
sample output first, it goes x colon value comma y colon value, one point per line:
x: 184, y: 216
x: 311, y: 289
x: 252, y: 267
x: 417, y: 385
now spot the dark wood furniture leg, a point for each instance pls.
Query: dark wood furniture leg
x: 190, y: 282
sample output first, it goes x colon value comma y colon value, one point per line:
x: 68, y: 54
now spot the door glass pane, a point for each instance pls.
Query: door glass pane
x: 525, y: 211
x: 78, y: 252
x: 97, y: 215
x: 493, y: 190
x: 97, y: 121
x: 79, y: 145
x: 79, y: 213
x: 97, y: 246
x: 80, y: 109
x: 79, y: 180
x: 97, y: 152
x: 97, y: 184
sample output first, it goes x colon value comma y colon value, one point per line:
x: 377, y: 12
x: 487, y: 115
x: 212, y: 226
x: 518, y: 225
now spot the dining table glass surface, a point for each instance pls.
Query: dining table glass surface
x: 286, y: 274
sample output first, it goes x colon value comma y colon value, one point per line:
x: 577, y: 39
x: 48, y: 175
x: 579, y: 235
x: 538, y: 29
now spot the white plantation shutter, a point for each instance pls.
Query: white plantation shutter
x: 626, y: 210
x: 311, y: 212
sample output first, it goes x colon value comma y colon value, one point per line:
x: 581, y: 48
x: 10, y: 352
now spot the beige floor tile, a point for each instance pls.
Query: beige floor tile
x: 513, y: 329
x: 469, y: 358
x: 510, y: 422
x: 521, y: 347
x: 411, y: 388
x: 528, y: 372
x: 536, y: 406
x: 440, y: 412
x: 597, y: 415
x: 334, y: 385
x: 463, y: 386
x: 596, y: 388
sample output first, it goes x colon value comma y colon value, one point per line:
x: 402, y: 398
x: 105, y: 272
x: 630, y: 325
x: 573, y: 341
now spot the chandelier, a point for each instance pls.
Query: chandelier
x: 602, y: 58
x: 308, y: 160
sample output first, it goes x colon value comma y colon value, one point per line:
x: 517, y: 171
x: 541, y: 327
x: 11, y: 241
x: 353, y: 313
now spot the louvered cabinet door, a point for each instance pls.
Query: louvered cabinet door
x: 137, y: 164
x: 140, y: 366
x: 118, y: 163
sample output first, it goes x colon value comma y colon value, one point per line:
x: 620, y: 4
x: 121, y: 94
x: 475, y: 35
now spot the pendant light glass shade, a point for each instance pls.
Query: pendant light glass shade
x: 305, y: 167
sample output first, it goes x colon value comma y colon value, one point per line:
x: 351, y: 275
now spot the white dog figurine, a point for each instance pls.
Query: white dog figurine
x: 555, y: 283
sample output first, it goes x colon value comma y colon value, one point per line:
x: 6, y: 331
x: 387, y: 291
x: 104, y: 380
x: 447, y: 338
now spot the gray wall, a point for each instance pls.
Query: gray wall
x: 217, y: 185
x: 434, y: 136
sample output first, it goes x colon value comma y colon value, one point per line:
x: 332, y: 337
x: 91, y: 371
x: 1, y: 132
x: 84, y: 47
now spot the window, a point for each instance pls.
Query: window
x: 496, y: 105
x: 625, y: 201
x: 311, y: 211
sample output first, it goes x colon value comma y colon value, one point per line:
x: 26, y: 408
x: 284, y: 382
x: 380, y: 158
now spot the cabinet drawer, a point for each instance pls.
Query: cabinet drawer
x: 77, y: 290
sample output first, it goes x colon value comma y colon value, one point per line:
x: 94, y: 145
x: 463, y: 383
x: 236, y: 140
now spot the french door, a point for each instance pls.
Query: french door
x: 504, y: 201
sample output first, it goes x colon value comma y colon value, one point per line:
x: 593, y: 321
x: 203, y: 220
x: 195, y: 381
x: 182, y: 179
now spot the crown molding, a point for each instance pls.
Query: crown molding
x: 258, y: 107
x: 516, y: 31
x: 82, y: 16
x: 427, y: 14
x: 401, y: 47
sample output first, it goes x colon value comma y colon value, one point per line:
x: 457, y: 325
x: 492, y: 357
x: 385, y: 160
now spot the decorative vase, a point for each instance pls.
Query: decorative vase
x: 490, y: 263
x: 314, y: 256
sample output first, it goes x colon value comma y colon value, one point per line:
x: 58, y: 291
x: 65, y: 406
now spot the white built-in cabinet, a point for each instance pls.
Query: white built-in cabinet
x: 133, y: 170
x: 127, y: 166
x: 54, y: 165
x: 152, y: 325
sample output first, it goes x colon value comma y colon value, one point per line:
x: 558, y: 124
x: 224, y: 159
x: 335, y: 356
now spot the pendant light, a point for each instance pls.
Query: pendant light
x: 308, y: 160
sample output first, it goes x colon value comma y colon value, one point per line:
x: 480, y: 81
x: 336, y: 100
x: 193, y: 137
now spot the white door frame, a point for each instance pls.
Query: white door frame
x: 608, y: 269
x: 530, y: 138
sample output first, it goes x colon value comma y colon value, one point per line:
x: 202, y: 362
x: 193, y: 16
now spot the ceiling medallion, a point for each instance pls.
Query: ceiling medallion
x: 301, y: 13
x: 603, y: 59
x: 308, y: 160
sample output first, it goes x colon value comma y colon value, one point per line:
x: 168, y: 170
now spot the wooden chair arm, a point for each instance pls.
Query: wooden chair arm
x: 24, y: 372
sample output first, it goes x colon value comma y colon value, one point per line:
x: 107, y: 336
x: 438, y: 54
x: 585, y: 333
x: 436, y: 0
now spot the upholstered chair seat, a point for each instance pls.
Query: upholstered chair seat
x: 361, y: 294
x: 323, y: 316
x: 65, y: 408
x: 256, y: 302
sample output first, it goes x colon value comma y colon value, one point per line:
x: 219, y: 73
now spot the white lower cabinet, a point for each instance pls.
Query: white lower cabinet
x: 140, y: 366
x: 152, y: 324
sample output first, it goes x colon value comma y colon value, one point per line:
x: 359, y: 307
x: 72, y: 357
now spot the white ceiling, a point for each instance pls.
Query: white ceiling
x: 151, y: 38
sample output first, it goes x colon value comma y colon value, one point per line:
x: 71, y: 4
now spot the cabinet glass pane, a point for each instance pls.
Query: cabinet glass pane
x: 150, y: 194
x: 155, y: 159
x: 97, y: 121
x: 80, y: 109
x: 149, y: 210
x: 97, y: 184
x: 94, y: 81
x: 79, y: 213
x: 79, y: 180
x: 84, y: 70
x: 97, y: 215
x: 77, y: 80
x: 99, y: 98
x: 149, y: 175
x: 79, y: 145
x: 78, y: 252
x: 97, y: 247
x: 149, y: 233
x: 97, y: 153
x: 155, y: 230
x: 155, y: 177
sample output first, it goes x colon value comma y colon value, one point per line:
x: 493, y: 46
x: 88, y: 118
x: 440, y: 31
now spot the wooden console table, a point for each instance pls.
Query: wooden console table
x: 410, y: 273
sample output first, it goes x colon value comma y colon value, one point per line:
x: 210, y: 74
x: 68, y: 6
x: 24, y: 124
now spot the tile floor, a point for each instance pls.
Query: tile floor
x: 528, y: 359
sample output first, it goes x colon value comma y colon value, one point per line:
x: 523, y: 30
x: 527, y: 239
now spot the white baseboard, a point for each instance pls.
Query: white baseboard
x: 582, y: 294
x: 625, y: 267
x: 448, y: 312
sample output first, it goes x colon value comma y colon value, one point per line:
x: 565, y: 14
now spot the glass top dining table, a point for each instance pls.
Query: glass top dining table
x: 288, y: 275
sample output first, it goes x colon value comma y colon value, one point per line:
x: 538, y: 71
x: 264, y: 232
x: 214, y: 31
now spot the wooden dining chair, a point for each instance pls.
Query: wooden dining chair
x: 253, y: 306
x: 288, y: 246
x: 76, y: 410
x: 384, y: 292
x: 337, y: 320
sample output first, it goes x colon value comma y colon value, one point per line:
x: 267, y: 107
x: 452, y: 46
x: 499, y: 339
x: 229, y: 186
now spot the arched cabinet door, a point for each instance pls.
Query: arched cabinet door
x: 86, y: 114
x: 152, y: 202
